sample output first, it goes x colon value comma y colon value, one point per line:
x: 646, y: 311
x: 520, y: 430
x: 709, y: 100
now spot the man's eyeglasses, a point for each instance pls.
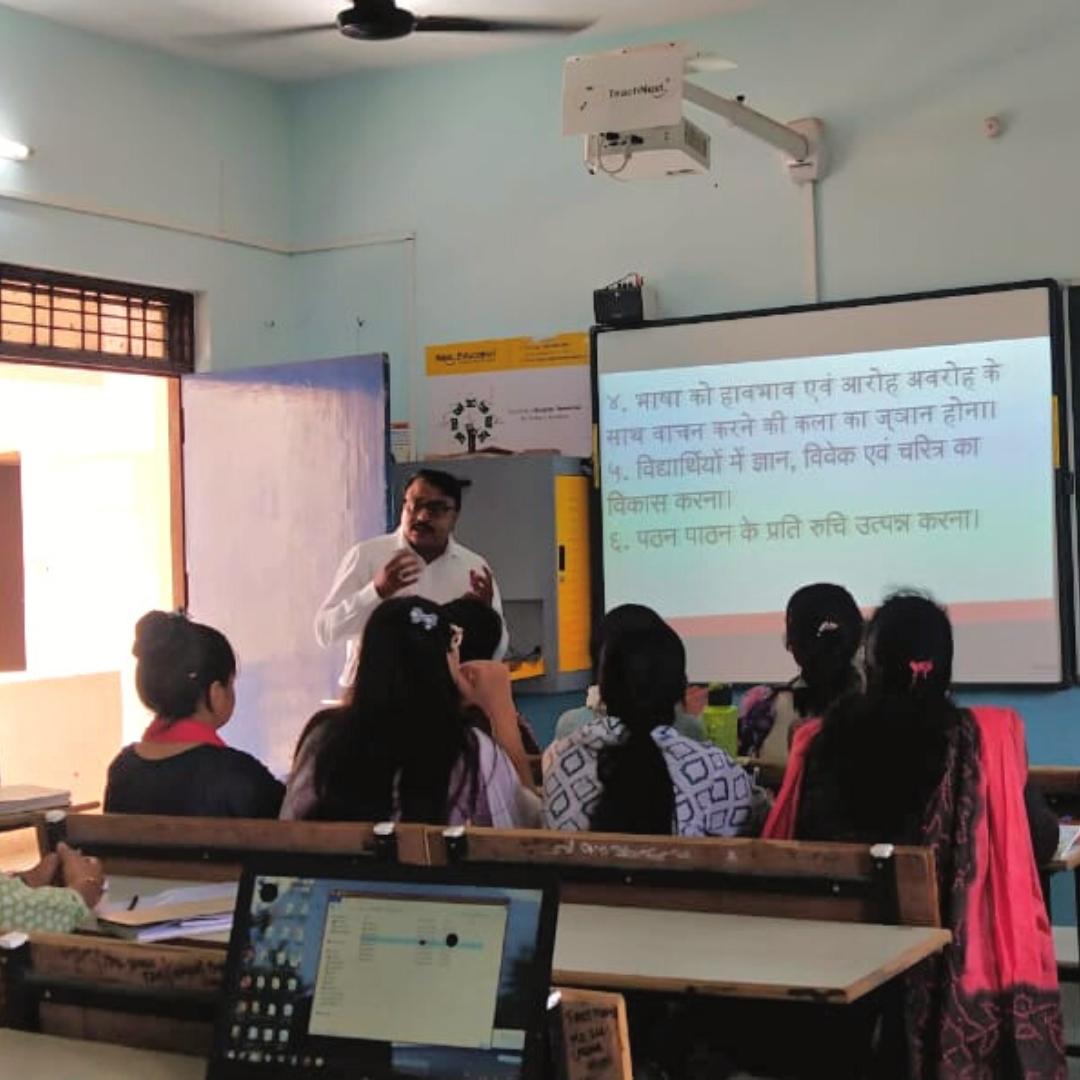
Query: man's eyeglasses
x: 435, y: 507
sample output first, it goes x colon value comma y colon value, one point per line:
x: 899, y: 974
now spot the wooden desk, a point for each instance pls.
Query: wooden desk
x: 623, y: 948
x: 24, y: 819
x: 733, y: 955
x: 35, y: 819
x: 214, y: 849
x: 30, y: 1056
x: 831, y: 981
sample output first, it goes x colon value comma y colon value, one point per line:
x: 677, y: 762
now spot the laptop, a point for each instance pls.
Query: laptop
x: 339, y: 968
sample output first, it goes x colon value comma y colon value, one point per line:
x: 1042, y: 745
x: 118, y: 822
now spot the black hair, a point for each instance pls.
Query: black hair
x: 451, y: 486
x: 178, y: 661
x: 618, y: 621
x: 481, y: 624
x: 903, y: 721
x: 642, y: 679
x: 824, y: 629
x: 404, y: 728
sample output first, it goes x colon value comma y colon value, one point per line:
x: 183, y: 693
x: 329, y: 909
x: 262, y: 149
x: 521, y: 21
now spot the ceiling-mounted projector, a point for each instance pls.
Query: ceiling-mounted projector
x: 680, y: 149
x: 628, y: 105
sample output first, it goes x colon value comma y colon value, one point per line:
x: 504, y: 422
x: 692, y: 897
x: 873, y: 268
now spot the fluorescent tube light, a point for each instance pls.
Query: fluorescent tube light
x: 12, y: 150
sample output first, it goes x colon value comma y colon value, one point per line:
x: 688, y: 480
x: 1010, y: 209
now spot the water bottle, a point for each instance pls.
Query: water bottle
x: 720, y: 719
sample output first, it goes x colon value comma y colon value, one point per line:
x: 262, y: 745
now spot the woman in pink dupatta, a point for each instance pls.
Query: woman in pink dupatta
x: 902, y: 763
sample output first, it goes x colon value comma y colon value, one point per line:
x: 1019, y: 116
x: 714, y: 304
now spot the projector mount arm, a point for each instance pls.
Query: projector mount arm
x: 800, y: 141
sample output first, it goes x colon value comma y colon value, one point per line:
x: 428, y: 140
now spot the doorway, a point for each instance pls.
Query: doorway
x: 97, y: 502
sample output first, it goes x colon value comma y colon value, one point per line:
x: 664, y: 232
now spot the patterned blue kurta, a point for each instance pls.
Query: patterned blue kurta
x: 713, y: 795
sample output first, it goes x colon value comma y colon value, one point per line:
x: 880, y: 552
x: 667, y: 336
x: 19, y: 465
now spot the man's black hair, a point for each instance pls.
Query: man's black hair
x: 482, y: 624
x: 450, y: 486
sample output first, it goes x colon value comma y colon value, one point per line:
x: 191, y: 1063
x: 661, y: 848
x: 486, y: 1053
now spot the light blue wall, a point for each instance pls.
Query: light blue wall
x: 512, y: 235
x: 141, y: 134
x: 357, y: 301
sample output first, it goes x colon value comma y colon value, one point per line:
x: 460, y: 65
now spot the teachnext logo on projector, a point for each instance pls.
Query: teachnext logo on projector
x: 623, y: 90
x: 656, y: 90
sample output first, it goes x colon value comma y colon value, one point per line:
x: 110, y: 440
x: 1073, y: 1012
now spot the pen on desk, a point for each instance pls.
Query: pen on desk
x: 132, y: 903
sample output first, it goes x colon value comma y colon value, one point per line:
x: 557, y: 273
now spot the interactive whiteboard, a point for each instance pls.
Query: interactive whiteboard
x: 884, y: 444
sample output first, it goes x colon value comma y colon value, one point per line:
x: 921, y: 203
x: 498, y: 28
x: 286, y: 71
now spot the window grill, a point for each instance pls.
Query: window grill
x: 60, y: 318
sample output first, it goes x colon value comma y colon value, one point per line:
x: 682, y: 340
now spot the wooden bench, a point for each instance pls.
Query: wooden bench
x: 840, y: 882
x: 213, y: 849
x: 788, y: 879
x: 156, y: 997
x: 794, y: 879
x: 38, y: 820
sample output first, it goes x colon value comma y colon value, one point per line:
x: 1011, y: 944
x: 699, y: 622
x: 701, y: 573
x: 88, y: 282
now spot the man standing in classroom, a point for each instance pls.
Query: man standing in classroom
x: 420, y: 558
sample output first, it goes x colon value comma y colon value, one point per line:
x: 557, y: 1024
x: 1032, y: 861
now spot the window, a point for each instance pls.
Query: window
x: 61, y: 318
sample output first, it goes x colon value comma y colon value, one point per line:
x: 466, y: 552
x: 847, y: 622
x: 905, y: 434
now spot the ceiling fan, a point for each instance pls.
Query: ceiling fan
x: 383, y: 20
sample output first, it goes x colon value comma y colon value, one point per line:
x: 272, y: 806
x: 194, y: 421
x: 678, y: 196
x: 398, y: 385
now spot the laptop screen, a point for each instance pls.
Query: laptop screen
x: 386, y: 971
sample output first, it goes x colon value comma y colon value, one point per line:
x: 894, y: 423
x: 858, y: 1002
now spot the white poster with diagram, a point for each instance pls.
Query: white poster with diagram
x: 511, y: 394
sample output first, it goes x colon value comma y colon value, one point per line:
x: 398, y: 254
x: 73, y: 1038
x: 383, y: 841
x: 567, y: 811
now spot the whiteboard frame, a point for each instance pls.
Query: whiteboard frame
x: 1067, y: 413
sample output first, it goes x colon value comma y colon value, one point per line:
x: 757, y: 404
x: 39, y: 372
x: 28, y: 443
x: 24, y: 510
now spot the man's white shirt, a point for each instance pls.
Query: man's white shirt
x: 353, y: 598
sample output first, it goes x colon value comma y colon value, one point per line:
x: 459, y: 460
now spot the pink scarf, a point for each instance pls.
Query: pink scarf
x: 181, y: 731
x: 989, y: 1007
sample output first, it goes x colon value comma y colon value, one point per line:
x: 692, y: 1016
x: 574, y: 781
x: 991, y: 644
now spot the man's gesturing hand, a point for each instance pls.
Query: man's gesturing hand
x: 481, y: 585
x: 399, y: 573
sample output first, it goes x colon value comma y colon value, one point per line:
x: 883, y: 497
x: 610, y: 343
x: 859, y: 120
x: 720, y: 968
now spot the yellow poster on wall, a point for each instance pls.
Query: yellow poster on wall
x: 508, y: 354
x: 511, y: 393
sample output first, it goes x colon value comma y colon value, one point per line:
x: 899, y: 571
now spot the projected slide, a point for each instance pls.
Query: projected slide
x: 728, y: 485
x: 409, y: 970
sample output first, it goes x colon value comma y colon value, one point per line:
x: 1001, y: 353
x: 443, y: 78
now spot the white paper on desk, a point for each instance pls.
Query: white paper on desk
x: 22, y: 798
x: 1067, y: 837
x: 210, y: 924
x: 183, y: 894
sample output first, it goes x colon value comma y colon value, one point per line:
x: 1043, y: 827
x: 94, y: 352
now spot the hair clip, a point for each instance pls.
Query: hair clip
x: 427, y: 619
x: 827, y: 626
x: 920, y: 669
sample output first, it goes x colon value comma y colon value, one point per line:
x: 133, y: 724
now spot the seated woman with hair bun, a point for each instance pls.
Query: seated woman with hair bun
x: 823, y: 630
x: 185, y: 675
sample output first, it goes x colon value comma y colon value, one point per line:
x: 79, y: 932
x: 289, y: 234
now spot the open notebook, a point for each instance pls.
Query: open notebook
x: 188, y: 911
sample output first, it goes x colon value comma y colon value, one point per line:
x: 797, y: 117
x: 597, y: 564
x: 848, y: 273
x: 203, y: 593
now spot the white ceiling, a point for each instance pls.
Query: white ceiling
x: 171, y: 24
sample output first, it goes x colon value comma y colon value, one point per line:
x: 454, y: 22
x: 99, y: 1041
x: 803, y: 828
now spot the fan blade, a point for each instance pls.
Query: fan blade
x: 230, y: 38
x: 455, y: 24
